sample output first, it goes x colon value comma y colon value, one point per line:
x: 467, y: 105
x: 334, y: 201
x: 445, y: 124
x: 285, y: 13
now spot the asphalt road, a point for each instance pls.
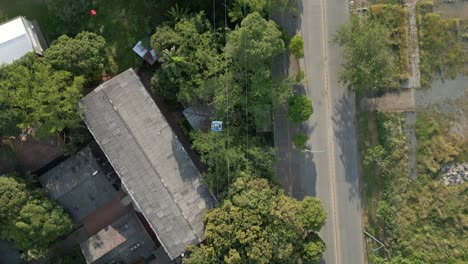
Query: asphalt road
x: 330, y: 172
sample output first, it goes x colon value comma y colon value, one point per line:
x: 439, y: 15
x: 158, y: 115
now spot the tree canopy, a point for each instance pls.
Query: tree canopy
x: 255, y: 42
x: 240, y: 8
x: 190, y: 59
x: 84, y: 54
x: 300, y: 109
x: 236, y: 160
x: 33, y: 94
x: 28, y: 218
x: 369, y: 65
x: 259, y: 224
x: 297, y: 46
x: 252, y: 47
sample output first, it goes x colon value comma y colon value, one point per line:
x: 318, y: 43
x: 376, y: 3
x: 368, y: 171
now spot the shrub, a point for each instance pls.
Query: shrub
x: 297, y: 46
x: 300, y: 140
x: 300, y: 75
x: 300, y: 109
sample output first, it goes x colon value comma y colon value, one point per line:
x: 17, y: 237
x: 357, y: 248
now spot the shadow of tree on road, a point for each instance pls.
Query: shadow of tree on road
x: 344, y: 128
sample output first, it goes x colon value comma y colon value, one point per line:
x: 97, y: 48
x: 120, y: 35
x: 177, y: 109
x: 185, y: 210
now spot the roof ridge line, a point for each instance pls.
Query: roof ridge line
x: 150, y: 163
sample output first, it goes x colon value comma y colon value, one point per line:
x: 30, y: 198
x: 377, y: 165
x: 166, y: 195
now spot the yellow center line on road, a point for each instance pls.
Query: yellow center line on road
x: 330, y: 139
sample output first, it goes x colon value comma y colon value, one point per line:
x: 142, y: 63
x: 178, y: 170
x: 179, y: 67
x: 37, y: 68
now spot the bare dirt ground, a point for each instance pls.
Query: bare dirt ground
x: 398, y: 101
x: 450, y: 98
x: 456, y: 8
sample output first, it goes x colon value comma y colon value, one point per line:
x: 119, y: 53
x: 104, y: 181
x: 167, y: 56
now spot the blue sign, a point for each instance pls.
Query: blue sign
x: 217, y: 126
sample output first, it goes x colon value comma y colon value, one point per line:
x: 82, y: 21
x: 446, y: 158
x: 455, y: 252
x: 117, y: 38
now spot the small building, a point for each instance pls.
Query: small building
x: 18, y: 37
x: 147, y: 54
x: 154, y: 168
x: 123, y: 241
x: 78, y: 184
x: 108, y: 228
x: 199, y: 117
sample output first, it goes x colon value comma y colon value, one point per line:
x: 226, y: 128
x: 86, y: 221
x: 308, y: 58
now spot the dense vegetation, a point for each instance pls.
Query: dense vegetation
x: 259, y: 224
x: 85, y: 55
x: 436, y: 147
x: 369, y: 64
x: 300, y: 109
x: 34, y: 95
x: 29, y: 218
x: 422, y: 220
x: 228, y: 69
x: 296, y: 46
x: 441, y: 50
x: 234, y: 78
x: 394, y: 18
x: 231, y: 72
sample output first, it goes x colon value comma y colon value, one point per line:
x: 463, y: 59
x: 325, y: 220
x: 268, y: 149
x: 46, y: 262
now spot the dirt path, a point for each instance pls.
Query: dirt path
x: 410, y: 118
x: 398, y: 101
x: 414, y: 80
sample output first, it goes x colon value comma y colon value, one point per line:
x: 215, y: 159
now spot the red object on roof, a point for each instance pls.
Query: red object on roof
x: 92, y: 12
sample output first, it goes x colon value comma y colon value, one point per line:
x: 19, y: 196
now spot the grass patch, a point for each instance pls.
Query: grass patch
x: 440, y: 40
x: 420, y: 216
x: 436, y: 146
x: 393, y: 17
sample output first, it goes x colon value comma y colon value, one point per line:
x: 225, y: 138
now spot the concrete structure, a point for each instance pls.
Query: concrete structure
x: 155, y: 169
x: 18, y: 37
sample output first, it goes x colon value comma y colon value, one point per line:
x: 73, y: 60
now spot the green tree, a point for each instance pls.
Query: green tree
x: 34, y: 95
x: 240, y: 8
x: 313, y: 249
x: 297, y: 46
x: 227, y: 160
x: 377, y: 155
x: 192, y: 51
x: 172, y: 64
x: 369, y: 65
x: 312, y: 214
x: 255, y: 42
x: 300, y: 109
x: 28, y: 218
x: 259, y: 224
x: 251, y: 47
x: 85, y: 54
x: 67, y: 16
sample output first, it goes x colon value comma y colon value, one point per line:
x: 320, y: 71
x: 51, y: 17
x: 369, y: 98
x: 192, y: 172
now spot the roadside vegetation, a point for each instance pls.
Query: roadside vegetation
x: 230, y: 71
x: 394, y: 18
x: 369, y: 66
x: 422, y: 220
x: 296, y: 46
x: 441, y: 44
x: 259, y: 224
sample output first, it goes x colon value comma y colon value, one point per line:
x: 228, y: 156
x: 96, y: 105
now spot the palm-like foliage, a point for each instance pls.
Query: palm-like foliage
x: 176, y: 13
x: 172, y: 64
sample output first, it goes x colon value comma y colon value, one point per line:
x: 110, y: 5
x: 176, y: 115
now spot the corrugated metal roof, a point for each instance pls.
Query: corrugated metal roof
x: 153, y: 165
x: 199, y: 117
x: 17, y: 37
x: 14, y: 41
